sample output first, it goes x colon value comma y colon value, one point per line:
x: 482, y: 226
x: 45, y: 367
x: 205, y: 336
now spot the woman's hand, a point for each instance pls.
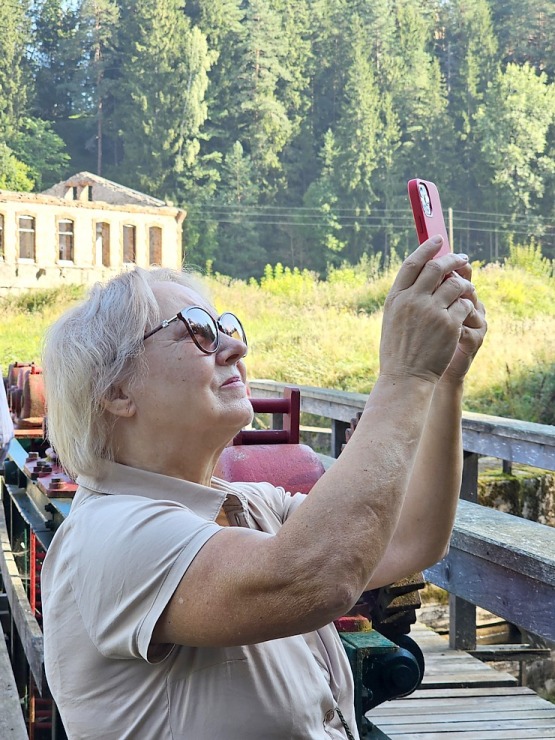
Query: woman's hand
x: 473, y: 331
x: 430, y: 306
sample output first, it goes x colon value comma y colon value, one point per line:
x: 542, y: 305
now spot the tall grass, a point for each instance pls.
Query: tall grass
x: 326, y: 333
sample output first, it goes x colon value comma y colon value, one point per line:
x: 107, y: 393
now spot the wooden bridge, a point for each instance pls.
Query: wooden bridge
x: 496, y: 561
x: 461, y: 697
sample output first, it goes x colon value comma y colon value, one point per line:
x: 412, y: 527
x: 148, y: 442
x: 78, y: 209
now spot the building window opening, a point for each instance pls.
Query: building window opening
x: 75, y: 192
x: 1, y: 237
x: 155, y: 245
x: 26, y: 228
x: 129, y: 243
x: 89, y: 192
x: 102, y: 244
x: 65, y: 239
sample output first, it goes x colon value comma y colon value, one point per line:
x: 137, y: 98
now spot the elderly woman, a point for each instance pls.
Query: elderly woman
x: 177, y: 605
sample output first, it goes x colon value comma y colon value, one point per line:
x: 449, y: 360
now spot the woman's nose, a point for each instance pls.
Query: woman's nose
x: 230, y: 350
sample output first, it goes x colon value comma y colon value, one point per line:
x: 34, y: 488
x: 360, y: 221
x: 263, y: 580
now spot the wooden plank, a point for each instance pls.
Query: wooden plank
x: 533, y: 734
x: 510, y: 652
x: 497, y: 588
x: 27, y: 626
x: 487, y: 718
x: 455, y: 680
x: 515, y: 692
x: 450, y: 725
x: 479, y: 712
x: 449, y: 668
x: 12, y: 724
x: 502, y: 713
x: 476, y: 705
x: 503, y: 564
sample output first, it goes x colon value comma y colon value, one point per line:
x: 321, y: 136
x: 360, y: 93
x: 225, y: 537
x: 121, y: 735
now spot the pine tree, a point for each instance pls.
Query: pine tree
x: 240, y: 252
x: 322, y: 242
x: 514, y: 121
x: 58, y: 60
x: 469, y: 62
x: 262, y: 121
x: 14, y: 41
x: 419, y: 99
x: 358, y: 134
x: 96, y: 35
x: 525, y: 32
x: 161, y: 106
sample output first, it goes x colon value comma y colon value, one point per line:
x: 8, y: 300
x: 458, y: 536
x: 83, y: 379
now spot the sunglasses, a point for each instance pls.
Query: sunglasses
x: 204, y: 329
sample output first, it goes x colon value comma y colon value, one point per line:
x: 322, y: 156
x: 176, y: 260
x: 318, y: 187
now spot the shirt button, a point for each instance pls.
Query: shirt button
x: 329, y: 715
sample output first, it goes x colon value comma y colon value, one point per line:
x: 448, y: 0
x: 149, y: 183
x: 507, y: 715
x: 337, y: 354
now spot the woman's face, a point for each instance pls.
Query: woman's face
x: 188, y: 395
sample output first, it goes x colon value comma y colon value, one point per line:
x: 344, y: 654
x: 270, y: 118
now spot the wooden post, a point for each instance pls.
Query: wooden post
x: 338, y: 429
x: 469, y: 484
x: 462, y: 614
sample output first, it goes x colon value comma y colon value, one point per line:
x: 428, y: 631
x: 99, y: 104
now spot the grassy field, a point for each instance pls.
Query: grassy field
x: 326, y: 333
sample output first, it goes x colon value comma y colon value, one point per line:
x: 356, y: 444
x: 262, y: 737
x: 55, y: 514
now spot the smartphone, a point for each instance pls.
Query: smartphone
x: 428, y: 216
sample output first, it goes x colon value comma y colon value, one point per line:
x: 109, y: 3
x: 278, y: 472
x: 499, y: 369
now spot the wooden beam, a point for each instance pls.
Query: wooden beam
x: 503, y: 564
x: 508, y: 439
x: 12, y: 724
x: 27, y: 626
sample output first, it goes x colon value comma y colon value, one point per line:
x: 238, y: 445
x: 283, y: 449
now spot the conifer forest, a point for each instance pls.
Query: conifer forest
x: 288, y: 128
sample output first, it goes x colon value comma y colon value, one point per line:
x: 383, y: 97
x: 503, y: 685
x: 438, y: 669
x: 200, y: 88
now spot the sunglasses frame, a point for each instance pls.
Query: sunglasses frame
x: 182, y: 316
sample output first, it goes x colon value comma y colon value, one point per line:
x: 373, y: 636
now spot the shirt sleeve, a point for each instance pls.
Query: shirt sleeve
x: 126, y: 556
x: 265, y: 497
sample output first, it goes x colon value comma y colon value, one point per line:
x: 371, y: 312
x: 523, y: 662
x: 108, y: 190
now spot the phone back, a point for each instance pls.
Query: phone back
x: 427, y: 212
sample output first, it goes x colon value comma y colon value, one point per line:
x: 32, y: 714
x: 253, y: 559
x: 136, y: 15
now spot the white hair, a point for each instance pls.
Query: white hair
x: 91, y: 350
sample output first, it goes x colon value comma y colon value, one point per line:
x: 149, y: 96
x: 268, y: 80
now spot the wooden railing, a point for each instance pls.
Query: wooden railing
x: 497, y: 561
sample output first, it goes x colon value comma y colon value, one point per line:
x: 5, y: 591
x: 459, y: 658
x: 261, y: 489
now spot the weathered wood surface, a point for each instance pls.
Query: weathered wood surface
x: 27, y: 626
x: 447, y: 668
x: 508, y: 439
x: 12, y: 724
x: 504, y: 564
x: 463, y: 710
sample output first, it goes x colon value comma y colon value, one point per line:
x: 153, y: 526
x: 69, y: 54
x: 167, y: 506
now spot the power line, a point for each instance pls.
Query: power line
x: 371, y: 226
x: 305, y: 216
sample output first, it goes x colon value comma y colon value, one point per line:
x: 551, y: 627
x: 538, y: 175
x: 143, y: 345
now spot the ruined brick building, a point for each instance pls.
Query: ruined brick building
x: 81, y: 230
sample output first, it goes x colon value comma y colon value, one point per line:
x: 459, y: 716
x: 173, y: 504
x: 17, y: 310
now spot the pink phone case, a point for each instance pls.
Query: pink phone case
x: 426, y: 209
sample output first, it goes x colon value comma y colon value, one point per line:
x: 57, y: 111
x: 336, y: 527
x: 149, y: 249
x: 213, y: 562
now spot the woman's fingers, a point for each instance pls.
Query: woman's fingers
x: 421, y: 266
x: 453, y: 288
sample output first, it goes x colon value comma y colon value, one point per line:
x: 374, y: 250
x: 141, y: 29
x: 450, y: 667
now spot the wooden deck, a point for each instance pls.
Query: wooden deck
x: 12, y: 725
x: 462, y: 698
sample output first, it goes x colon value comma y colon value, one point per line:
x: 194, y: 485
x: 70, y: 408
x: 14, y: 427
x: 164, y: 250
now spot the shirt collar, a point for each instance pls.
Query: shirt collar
x: 206, y: 501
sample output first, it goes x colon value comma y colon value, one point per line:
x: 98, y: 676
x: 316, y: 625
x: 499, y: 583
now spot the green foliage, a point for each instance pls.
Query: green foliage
x: 514, y: 123
x: 14, y: 174
x: 310, y: 331
x: 36, y: 301
x: 162, y: 84
x: 57, y: 91
x: 41, y: 150
x: 293, y: 285
x: 528, y: 257
x: 288, y: 130
x: 523, y: 393
x: 25, y: 317
x: 513, y: 289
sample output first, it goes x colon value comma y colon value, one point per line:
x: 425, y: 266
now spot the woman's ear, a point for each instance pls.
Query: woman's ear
x: 120, y: 403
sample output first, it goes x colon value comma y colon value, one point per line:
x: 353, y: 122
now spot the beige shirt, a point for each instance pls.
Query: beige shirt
x: 110, y: 571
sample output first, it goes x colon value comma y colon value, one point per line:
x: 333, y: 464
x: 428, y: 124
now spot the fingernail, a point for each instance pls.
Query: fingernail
x: 437, y: 239
x: 463, y: 256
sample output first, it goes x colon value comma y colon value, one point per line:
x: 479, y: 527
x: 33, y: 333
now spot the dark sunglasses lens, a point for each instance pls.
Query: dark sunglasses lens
x: 203, y: 327
x: 232, y: 327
